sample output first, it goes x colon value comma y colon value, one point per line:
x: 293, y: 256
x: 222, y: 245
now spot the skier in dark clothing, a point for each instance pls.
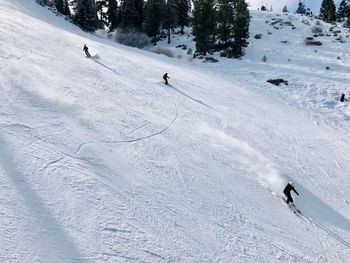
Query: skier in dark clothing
x: 287, y: 191
x: 342, y: 98
x: 165, y: 77
x: 86, y: 50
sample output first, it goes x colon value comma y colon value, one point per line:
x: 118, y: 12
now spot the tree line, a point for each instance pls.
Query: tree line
x: 218, y: 25
x: 328, y: 11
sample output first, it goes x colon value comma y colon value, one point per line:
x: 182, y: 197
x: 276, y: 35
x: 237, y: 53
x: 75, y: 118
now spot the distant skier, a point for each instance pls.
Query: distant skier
x: 342, y: 98
x: 86, y: 50
x: 287, y: 191
x: 165, y: 77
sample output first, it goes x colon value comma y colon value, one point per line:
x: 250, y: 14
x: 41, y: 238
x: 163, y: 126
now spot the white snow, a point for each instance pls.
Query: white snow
x: 101, y: 162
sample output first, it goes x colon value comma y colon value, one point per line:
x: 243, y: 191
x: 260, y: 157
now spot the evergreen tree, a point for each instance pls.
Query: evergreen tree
x: 169, y: 20
x: 327, y: 11
x: 59, y: 4
x: 301, y: 8
x: 241, y: 29
x: 225, y: 23
x: 343, y: 10
x: 154, y: 16
x: 101, y: 6
x: 85, y: 15
x: 66, y: 10
x: 112, y: 15
x: 285, y: 9
x: 131, y: 14
x: 204, y: 25
x: 182, y: 7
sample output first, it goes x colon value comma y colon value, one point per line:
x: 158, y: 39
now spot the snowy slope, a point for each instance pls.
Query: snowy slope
x: 101, y: 162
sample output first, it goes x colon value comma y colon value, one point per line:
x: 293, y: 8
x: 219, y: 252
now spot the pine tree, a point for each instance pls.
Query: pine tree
x: 343, y: 10
x: 131, y: 14
x: 327, y: 11
x: 59, y: 4
x: 204, y: 25
x: 225, y: 23
x: 301, y: 8
x: 85, y: 15
x: 112, y: 15
x: 241, y: 29
x: 182, y: 7
x: 101, y: 5
x: 169, y: 20
x: 285, y: 9
x: 66, y: 10
x: 154, y: 17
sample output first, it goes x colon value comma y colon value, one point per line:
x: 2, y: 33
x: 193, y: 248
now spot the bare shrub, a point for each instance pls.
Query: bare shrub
x: 316, y: 29
x: 164, y: 51
x: 131, y: 37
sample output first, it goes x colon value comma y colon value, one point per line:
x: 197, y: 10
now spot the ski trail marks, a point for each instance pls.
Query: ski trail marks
x: 135, y: 139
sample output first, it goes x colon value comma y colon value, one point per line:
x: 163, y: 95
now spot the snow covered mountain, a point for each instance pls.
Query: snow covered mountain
x: 102, y: 162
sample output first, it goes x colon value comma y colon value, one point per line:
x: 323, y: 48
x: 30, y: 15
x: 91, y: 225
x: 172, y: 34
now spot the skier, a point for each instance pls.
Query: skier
x: 289, y: 187
x: 86, y: 50
x: 165, y: 77
x: 342, y: 98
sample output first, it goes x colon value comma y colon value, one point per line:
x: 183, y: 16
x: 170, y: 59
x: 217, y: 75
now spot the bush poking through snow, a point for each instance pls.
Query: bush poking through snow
x: 183, y: 46
x: 210, y: 59
x: 164, y: 51
x: 316, y: 29
x: 132, y: 38
x: 277, y: 82
x: 305, y: 21
x: 258, y: 36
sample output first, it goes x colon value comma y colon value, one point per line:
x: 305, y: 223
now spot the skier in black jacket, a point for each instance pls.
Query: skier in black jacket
x: 287, y: 191
x: 86, y: 50
x: 165, y: 77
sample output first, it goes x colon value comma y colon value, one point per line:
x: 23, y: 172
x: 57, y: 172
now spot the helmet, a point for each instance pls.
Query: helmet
x: 291, y: 183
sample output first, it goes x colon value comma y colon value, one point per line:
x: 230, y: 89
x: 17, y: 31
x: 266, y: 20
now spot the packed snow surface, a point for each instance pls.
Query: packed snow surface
x: 102, y: 162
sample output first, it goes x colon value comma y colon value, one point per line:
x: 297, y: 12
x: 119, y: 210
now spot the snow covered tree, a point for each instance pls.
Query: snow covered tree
x: 204, y: 25
x: 241, y: 29
x: 131, y: 14
x: 182, y: 7
x: 225, y: 23
x: 66, y: 9
x: 153, y: 17
x: 327, y: 11
x: 301, y: 8
x: 343, y: 10
x: 85, y: 15
x: 101, y: 14
x: 285, y: 9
